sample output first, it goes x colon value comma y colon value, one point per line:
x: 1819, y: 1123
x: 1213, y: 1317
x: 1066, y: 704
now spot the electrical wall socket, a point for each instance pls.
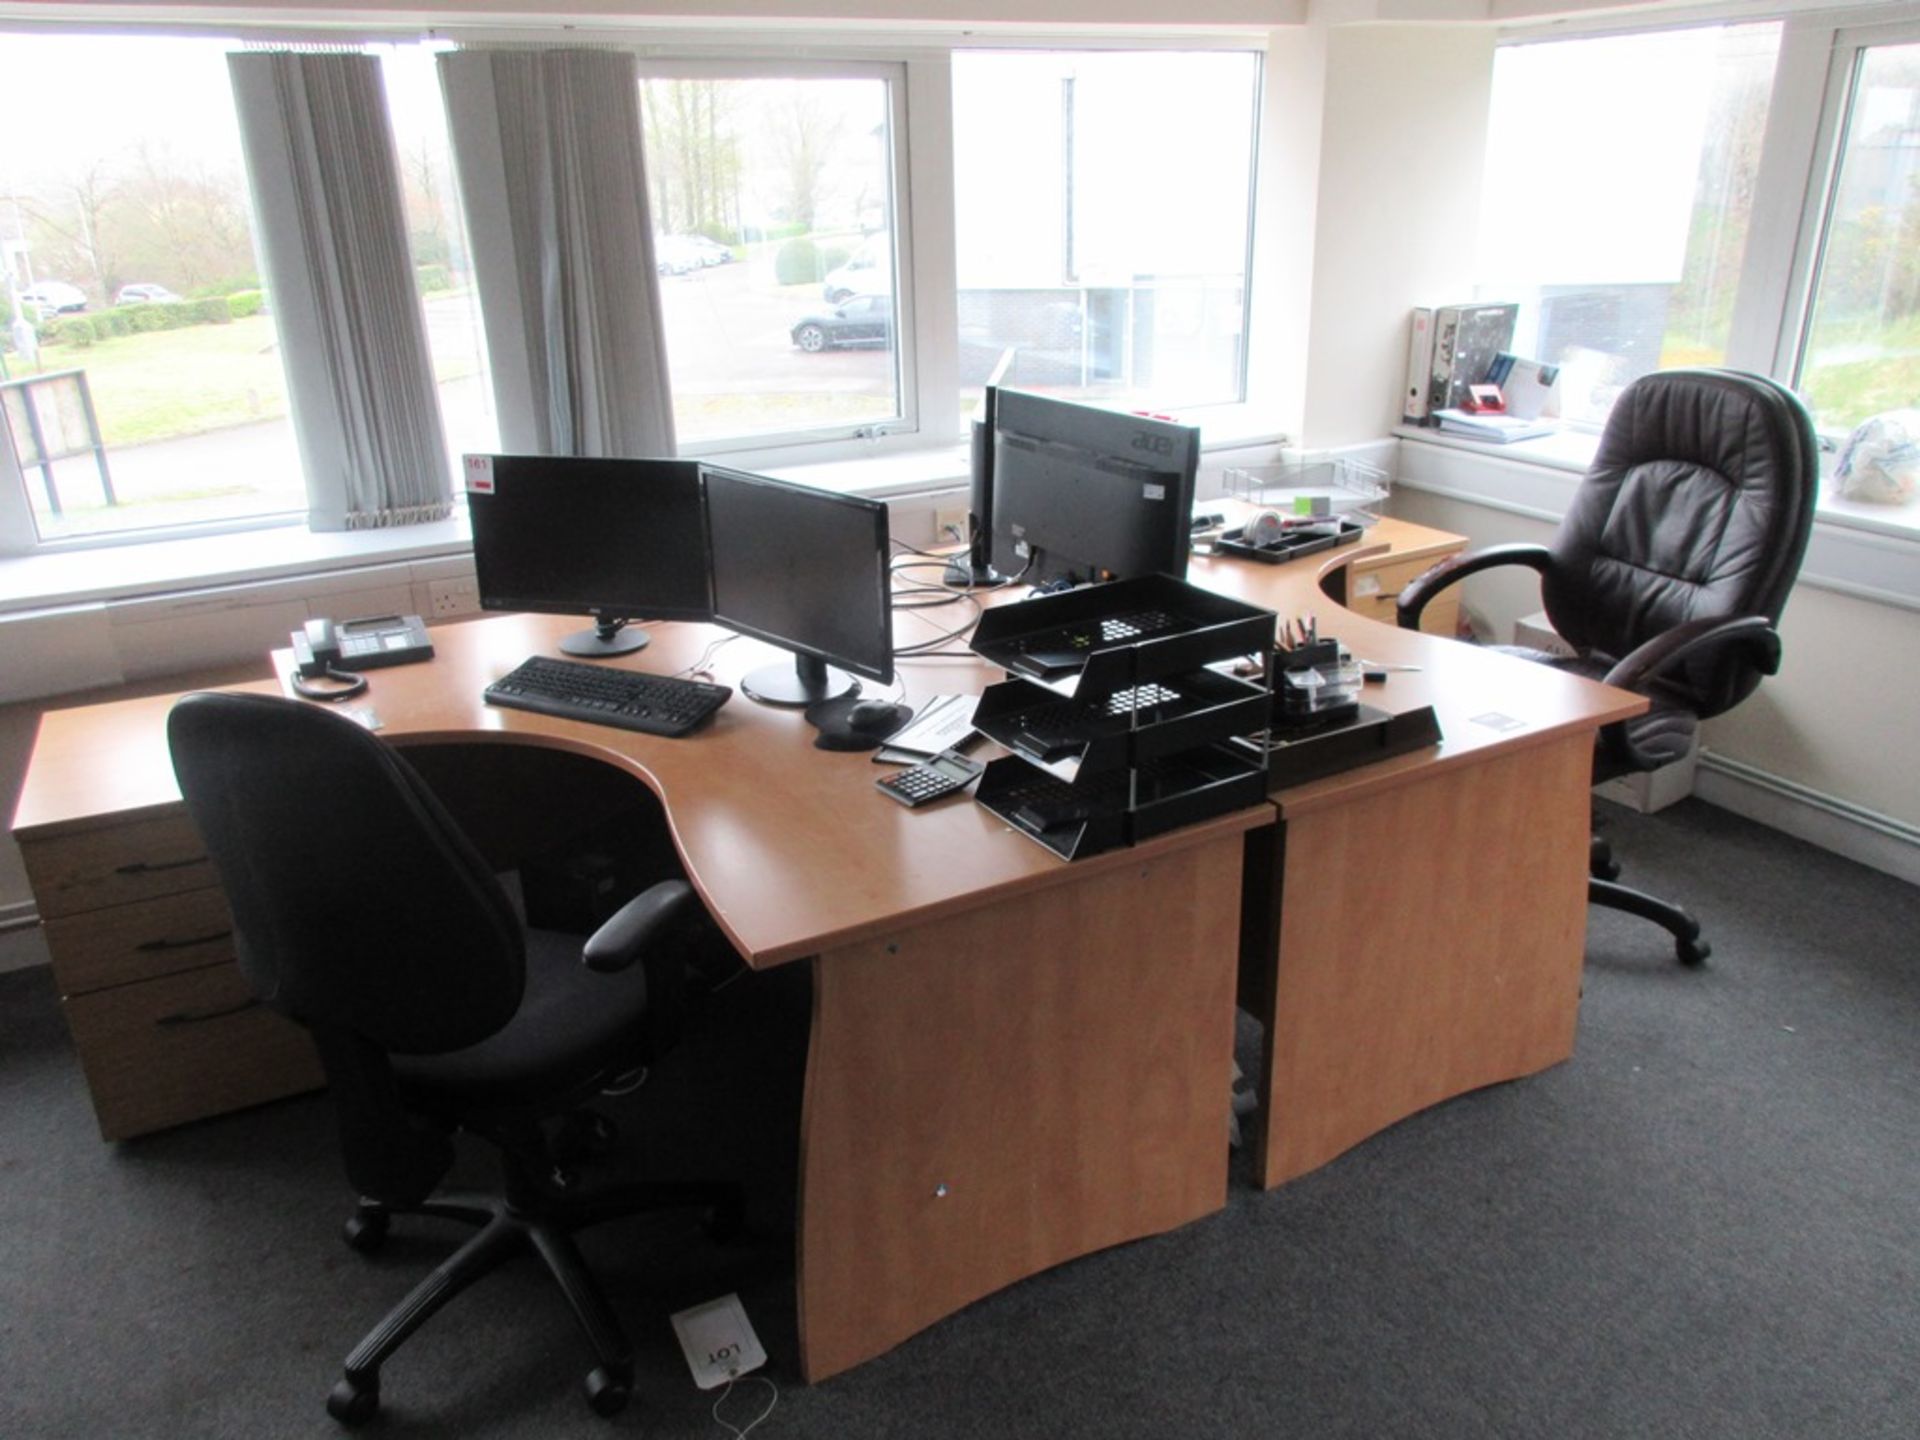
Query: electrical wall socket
x: 950, y: 524
x: 449, y: 598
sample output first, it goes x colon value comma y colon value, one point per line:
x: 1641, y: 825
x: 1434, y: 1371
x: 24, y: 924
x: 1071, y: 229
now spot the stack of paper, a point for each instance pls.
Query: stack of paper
x: 1502, y: 429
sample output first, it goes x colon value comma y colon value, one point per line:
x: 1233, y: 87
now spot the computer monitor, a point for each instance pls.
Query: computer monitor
x: 806, y: 570
x: 615, y: 539
x: 1080, y: 493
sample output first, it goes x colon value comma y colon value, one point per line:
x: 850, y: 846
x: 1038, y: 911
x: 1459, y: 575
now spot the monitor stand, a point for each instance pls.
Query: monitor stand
x: 610, y: 635
x: 807, y: 681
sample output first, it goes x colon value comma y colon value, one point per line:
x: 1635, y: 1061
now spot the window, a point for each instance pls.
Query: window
x: 1859, y: 362
x: 144, y: 385
x: 449, y: 300
x: 773, y: 215
x: 145, y: 388
x: 1620, y: 225
x: 1103, y: 204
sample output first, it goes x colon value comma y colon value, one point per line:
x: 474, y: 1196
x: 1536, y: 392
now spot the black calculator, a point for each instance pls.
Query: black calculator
x: 942, y: 775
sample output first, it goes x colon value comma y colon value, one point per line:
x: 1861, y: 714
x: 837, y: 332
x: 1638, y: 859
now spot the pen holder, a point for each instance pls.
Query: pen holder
x: 1315, y: 683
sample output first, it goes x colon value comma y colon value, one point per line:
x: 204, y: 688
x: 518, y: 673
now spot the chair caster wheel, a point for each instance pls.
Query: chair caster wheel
x: 353, y: 1404
x: 1692, y: 952
x: 608, y: 1393
x: 366, y: 1231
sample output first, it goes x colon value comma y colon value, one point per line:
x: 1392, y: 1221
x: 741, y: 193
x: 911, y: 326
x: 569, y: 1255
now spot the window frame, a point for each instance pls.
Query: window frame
x: 792, y: 446
x: 1843, y: 49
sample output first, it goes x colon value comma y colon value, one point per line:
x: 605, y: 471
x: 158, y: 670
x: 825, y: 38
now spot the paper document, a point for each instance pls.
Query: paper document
x: 943, y: 722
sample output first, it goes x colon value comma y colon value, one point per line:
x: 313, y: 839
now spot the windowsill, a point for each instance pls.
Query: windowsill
x: 1857, y: 548
x: 57, y: 579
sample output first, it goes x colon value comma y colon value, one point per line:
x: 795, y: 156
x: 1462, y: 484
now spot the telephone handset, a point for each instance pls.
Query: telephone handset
x: 316, y: 653
x: 336, y: 652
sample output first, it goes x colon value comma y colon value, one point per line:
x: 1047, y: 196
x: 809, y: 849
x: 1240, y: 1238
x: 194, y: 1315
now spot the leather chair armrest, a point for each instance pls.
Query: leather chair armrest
x: 1455, y: 568
x: 638, y: 925
x: 1670, y: 647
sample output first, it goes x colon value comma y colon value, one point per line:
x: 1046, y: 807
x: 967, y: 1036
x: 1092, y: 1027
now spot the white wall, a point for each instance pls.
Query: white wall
x: 1838, y: 720
x: 1399, y: 200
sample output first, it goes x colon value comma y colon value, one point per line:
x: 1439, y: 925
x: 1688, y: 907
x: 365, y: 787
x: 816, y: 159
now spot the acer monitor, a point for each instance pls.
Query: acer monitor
x: 1082, y: 494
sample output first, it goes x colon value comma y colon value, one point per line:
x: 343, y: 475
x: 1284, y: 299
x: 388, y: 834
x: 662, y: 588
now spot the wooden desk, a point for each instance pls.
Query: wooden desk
x: 1015, y: 1061
x: 1416, y: 928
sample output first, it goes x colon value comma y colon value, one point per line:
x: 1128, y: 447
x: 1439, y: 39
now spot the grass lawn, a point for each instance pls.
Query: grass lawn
x: 179, y: 382
x: 169, y: 383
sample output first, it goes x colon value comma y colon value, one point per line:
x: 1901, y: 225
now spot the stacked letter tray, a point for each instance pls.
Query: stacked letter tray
x: 1120, y: 807
x: 1100, y: 639
x: 1122, y: 723
x: 1074, y: 736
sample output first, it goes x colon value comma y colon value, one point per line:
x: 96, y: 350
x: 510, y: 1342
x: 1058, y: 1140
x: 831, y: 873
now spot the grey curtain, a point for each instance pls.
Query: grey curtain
x: 333, y: 239
x: 547, y: 150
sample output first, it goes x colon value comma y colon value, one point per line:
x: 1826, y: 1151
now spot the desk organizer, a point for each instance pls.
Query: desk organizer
x: 1121, y: 715
x: 1291, y: 544
x: 1299, y: 753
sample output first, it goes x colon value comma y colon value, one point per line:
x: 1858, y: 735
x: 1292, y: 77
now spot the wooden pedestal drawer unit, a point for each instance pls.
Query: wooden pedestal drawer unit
x: 142, y: 946
x: 1373, y: 585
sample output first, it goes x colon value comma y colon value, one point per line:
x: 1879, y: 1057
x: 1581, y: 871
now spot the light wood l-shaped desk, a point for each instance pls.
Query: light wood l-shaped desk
x: 1014, y: 1060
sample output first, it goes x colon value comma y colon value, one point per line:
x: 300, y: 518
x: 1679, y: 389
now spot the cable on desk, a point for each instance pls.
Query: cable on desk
x: 698, y: 669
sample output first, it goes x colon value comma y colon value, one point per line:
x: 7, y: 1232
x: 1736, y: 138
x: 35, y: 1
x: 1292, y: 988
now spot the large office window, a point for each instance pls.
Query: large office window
x: 1619, y: 188
x: 774, y: 238
x: 143, y: 383
x: 1102, y: 207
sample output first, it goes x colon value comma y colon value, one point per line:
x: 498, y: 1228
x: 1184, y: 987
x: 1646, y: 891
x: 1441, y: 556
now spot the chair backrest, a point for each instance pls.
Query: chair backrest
x: 360, y: 909
x: 357, y: 902
x: 1698, y: 505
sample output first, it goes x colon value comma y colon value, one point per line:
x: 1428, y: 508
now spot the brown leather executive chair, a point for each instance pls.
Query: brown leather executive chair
x: 1669, y: 572
x: 362, y: 912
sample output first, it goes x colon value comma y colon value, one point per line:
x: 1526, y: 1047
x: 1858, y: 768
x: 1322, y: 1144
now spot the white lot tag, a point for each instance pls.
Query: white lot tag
x: 719, y: 1342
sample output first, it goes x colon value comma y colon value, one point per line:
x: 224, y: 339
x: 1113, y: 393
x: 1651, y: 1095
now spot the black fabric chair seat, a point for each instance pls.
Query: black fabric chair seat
x: 435, y: 1011
x: 574, y: 1025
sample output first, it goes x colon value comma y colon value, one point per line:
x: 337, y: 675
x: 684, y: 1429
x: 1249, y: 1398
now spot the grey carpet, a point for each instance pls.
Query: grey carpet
x: 1706, y: 1225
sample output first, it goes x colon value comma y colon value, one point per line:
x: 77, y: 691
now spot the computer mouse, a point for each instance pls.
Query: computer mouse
x: 874, y: 717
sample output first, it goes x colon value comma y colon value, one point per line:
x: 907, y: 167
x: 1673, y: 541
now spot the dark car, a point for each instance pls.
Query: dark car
x: 862, y: 320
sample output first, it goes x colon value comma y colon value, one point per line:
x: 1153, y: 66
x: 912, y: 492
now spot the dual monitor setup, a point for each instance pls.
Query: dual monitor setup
x: 622, y: 540
x: 1061, y: 493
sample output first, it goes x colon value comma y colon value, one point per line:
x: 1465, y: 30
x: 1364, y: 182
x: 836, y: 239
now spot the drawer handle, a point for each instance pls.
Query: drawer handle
x: 196, y: 1017
x: 143, y: 867
x: 148, y: 946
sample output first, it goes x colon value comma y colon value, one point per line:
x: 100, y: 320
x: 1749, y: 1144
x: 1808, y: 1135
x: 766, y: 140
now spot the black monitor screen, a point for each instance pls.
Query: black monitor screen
x: 803, y: 569
x: 1084, y: 493
x: 567, y: 535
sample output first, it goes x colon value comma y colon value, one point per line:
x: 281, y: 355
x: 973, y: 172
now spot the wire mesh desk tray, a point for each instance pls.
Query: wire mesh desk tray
x: 1338, y: 486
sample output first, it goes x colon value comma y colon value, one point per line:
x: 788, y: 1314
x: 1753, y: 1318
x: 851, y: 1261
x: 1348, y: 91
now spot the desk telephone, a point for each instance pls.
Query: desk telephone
x: 337, y: 652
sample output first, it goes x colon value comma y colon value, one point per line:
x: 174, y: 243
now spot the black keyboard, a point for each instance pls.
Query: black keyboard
x: 575, y: 690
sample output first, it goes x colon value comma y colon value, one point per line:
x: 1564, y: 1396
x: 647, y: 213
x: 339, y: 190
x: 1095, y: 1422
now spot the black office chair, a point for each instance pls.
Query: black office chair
x: 1669, y: 572
x: 363, y: 913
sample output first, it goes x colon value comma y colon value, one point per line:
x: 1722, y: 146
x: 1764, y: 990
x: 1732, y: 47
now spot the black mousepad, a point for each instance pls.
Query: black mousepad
x: 829, y: 717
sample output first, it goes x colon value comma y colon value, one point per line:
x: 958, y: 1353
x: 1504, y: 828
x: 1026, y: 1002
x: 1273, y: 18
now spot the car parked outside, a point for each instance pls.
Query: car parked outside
x: 145, y: 294
x: 868, y: 271
x: 711, y: 252
x: 859, y: 321
x: 54, y: 297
